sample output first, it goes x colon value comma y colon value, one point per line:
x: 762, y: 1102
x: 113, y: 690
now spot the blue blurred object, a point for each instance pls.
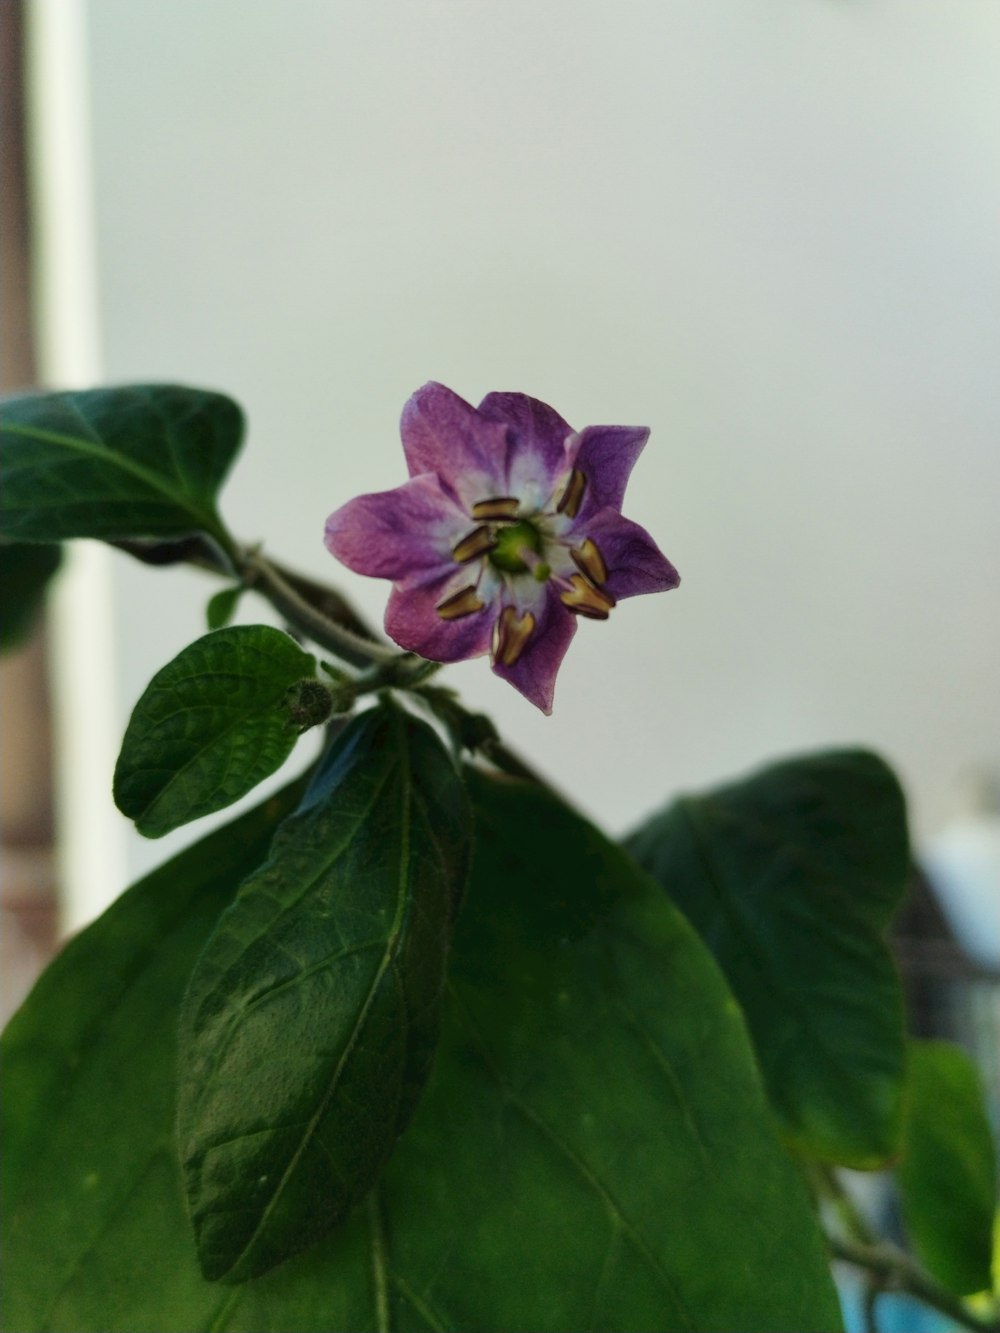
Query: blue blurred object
x: 894, y: 1312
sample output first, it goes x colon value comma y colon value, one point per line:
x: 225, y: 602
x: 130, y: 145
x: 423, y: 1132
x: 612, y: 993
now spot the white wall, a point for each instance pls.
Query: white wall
x: 766, y: 228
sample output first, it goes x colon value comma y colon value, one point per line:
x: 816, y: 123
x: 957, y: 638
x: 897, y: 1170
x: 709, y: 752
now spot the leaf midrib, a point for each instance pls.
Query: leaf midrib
x: 184, y: 499
x: 587, y: 1174
x: 390, y: 952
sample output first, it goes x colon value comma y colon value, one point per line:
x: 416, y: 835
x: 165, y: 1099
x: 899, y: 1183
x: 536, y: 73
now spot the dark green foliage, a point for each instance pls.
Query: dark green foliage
x: 94, y: 1230
x: 218, y: 719
x: 593, y: 1149
x: 948, y: 1173
x: 141, y: 461
x: 311, y: 1020
x: 791, y: 878
x: 25, y: 571
x: 222, y: 607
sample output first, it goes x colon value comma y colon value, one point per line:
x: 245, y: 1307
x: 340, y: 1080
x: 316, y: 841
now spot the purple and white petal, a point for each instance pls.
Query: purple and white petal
x: 534, y: 671
x: 412, y: 620
x: 537, y: 453
x: 635, y: 564
x: 444, y: 434
x: 604, y: 456
x: 391, y: 534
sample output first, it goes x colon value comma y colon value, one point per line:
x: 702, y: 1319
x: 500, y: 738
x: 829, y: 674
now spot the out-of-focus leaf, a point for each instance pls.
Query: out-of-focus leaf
x: 948, y: 1173
x: 222, y: 607
x: 25, y: 570
x: 791, y: 877
x: 146, y: 460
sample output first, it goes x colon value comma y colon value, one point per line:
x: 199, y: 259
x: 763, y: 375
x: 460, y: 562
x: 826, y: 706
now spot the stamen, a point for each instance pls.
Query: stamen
x: 510, y: 635
x: 498, y: 506
x: 582, y: 597
x: 478, y: 542
x: 589, y: 561
x: 463, y: 603
x: 572, y: 496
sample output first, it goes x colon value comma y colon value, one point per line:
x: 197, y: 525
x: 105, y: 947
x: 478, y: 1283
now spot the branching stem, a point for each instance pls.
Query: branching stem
x: 895, y: 1270
x: 260, y: 573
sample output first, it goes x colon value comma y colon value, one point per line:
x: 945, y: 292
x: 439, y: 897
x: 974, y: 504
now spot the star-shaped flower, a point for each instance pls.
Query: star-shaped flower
x: 508, y: 530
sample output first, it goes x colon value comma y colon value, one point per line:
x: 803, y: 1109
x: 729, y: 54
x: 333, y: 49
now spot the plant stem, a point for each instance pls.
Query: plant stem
x: 894, y: 1269
x: 330, y: 621
x: 260, y: 573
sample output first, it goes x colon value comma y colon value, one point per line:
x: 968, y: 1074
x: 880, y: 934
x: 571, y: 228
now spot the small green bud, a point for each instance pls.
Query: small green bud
x: 310, y: 703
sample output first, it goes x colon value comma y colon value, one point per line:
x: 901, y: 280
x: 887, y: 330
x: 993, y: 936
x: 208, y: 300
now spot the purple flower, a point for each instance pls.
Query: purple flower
x: 508, y: 530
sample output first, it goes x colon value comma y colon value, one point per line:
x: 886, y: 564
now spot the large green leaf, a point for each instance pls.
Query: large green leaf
x: 218, y: 719
x: 791, y: 878
x: 25, y: 571
x: 89, y: 1155
x: 146, y: 460
x: 593, y: 1150
x: 312, y: 1017
x: 948, y: 1174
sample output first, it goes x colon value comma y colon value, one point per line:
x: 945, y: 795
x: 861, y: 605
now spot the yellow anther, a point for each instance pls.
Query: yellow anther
x: 463, y: 603
x: 478, y: 542
x: 586, y: 600
x: 497, y: 506
x: 510, y: 635
x: 589, y: 561
x: 572, y: 496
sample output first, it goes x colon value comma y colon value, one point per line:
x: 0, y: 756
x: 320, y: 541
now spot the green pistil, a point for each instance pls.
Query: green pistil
x: 511, y: 545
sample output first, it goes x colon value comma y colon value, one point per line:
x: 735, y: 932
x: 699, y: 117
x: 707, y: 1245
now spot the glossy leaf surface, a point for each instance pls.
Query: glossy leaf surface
x: 142, y: 461
x: 593, y: 1150
x: 791, y: 877
x: 948, y: 1173
x: 25, y: 570
x: 211, y: 724
x: 312, y: 1017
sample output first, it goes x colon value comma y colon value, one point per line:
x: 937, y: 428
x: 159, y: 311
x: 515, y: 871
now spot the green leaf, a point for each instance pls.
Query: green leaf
x: 791, y: 878
x: 593, y: 1149
x: 218, y: 719
x: 91, y: 1183
x: 948, y: 1173
x: 311, y: 1020
x: 142, y: 461
x: 222, y: 606
x: 25, y: 571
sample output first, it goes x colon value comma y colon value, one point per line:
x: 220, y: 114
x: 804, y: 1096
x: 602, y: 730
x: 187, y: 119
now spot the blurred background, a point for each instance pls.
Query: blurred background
x: 768, y: 229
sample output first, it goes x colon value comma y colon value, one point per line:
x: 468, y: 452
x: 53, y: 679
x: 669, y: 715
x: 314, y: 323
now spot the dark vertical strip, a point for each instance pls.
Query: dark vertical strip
x: 27, y: 864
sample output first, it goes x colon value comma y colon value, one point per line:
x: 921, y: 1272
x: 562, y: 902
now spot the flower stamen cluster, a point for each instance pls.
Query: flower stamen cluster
x: 509, y: 529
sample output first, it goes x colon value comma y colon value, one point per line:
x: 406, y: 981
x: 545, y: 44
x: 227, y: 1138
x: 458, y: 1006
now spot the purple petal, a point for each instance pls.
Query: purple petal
x: 606, y: 456
x: 634, y: 562
x: 534, y: 672
x: 538, y: 438
x: 444, y: 434
x: 392, y: 534
x: 412, y: 620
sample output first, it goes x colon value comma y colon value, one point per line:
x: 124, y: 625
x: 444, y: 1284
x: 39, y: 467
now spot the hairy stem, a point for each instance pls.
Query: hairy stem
x: 260, y: 573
